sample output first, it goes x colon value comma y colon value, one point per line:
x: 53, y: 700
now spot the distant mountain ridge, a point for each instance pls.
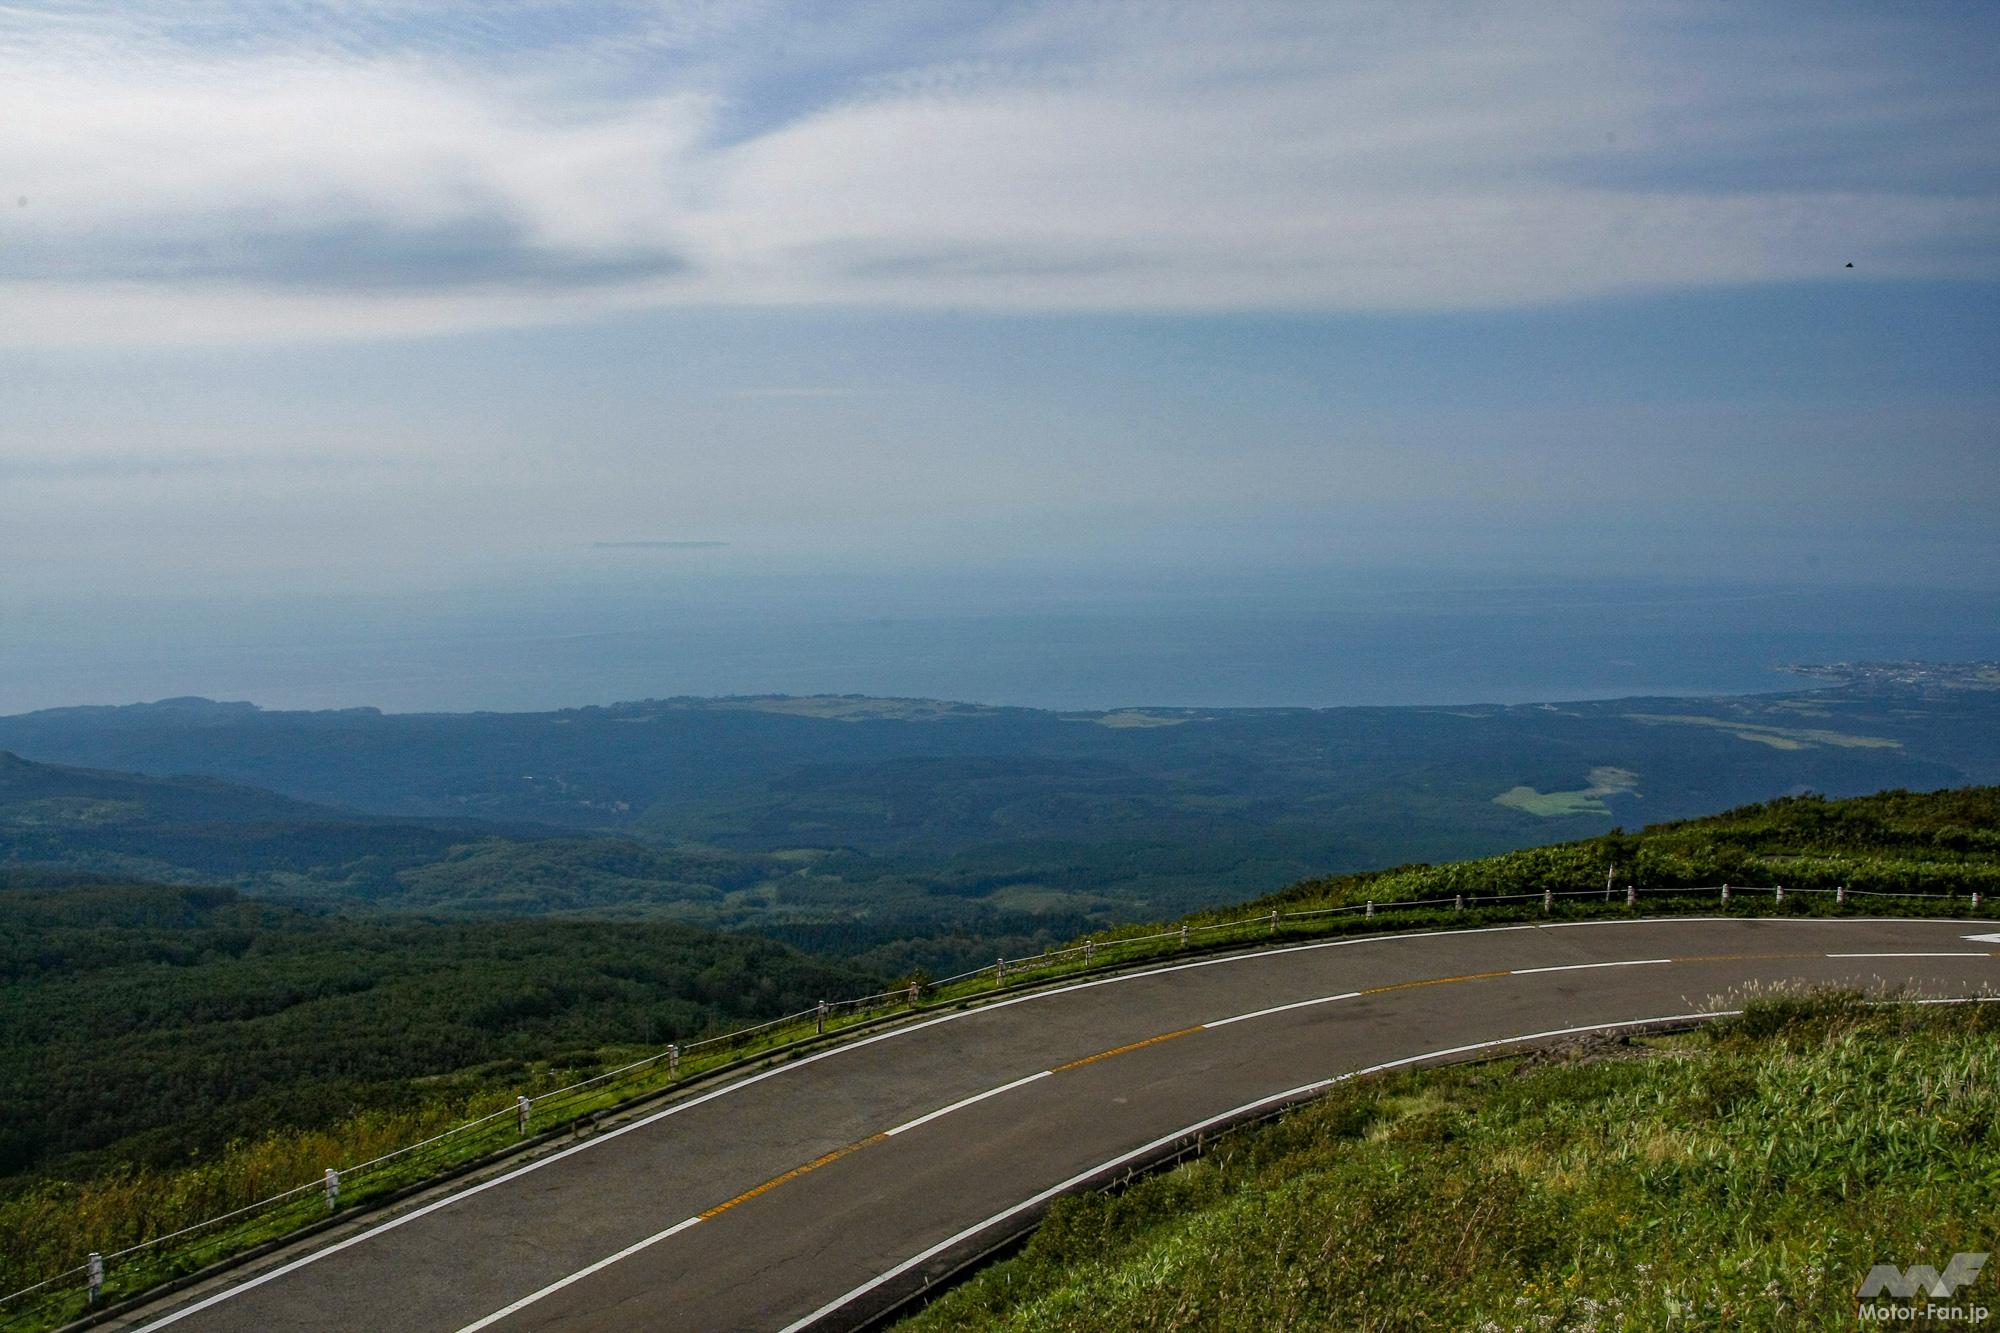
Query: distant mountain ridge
x: 187, y: 795
x: 190, y: 828
x: 847, y: 822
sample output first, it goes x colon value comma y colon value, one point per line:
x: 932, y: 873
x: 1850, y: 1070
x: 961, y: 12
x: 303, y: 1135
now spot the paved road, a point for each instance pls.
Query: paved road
x: 820, y: 1189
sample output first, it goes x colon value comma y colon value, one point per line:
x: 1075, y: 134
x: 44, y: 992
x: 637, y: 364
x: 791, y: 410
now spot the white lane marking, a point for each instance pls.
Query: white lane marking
x: 1303, y: 1090
x: 1984, y: 939
x: 1249, y: 955
x: 1582, y: 967
x: 964, y: 1102
x: 1280, y: 1009
x: 1968, y: 954
x: 579, y: 1275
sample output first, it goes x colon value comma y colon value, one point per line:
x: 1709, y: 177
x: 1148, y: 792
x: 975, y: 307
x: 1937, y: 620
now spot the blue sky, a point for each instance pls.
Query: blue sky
x: 395, y: 293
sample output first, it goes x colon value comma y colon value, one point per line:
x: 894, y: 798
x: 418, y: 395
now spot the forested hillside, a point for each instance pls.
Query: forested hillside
x: 147, y: 1023
x: 198, y: 829
x: 935, y: 833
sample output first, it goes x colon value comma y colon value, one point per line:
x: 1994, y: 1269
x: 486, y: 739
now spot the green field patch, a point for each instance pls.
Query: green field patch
x: 1588, y: 800
x: 1776, y: 742
x: 75, y: 812
x: 854, y: 708
x: 1778, y: 738
x: 1126, y: 718
x: 800, y: 855
x: 1041, y: 900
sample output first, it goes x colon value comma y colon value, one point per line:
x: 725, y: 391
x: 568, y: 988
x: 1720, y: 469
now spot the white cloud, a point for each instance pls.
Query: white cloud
x: 364, y: 176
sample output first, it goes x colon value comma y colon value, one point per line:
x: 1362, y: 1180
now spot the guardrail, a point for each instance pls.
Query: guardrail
x: 147, y: 1263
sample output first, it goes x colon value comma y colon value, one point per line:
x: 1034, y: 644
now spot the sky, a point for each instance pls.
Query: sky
x: 403, y: 294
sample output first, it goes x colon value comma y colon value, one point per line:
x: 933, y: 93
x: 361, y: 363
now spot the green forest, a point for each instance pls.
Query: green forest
x: 152, y: 1025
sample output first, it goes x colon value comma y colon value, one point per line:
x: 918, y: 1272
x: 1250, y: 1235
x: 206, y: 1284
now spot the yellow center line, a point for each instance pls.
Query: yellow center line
x: 1434, y: 981
x: 1120, y: 1050
x: 793, y: 1174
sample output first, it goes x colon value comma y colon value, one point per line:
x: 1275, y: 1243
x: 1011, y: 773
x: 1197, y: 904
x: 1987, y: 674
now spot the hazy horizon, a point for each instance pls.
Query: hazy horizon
x: 1297, y: 638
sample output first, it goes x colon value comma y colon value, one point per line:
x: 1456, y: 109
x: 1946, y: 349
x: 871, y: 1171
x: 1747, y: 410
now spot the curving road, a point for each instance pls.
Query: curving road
x: 817, y: 1193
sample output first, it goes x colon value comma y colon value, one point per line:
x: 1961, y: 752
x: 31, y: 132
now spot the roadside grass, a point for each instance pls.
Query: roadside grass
x: 1746, y: 1176
x: 1895, y: 842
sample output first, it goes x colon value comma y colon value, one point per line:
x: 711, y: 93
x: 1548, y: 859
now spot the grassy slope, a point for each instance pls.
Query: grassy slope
x: 1746, y: 1177
x: 1892, y: 842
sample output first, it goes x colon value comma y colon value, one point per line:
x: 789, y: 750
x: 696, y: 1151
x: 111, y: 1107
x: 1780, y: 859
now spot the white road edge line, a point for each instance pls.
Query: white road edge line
x: 1303, y: 1090
x: 1780, y: 920
x: 579, y: 1275
x: 1248, y: 955
x: 964, y: 1102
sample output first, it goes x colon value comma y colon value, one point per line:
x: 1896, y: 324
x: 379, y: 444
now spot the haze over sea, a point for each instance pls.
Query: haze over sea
x: 1290, y: 637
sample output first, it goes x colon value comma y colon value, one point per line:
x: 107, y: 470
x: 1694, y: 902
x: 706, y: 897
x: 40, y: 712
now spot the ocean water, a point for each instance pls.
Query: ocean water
x: 1285, y: 638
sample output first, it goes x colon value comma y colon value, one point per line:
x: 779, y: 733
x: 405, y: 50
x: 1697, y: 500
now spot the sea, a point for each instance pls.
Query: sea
x: 1276, y: 638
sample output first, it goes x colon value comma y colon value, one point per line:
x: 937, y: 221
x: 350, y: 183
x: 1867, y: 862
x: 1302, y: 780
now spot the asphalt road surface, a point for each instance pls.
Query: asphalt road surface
x: 819, y: 1192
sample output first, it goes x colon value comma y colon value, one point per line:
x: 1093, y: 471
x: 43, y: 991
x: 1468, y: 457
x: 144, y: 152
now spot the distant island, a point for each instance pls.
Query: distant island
x: 656, y: 546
